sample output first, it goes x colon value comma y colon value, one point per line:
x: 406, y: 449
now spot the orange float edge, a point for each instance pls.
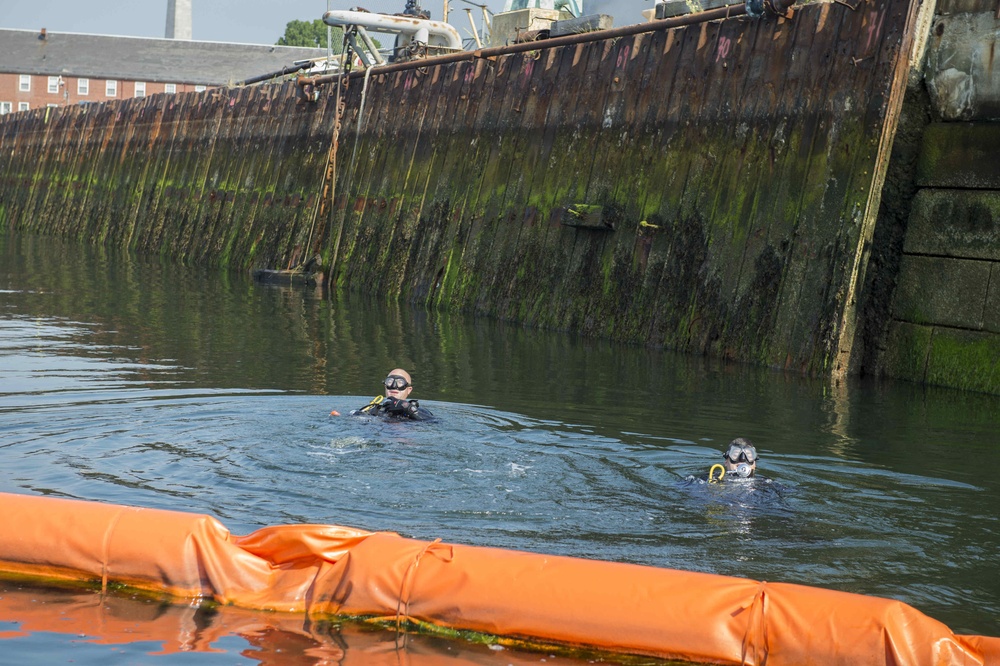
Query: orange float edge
x: 324, y: 570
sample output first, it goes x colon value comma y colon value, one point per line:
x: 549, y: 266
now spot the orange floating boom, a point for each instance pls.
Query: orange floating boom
x: 328, y: 570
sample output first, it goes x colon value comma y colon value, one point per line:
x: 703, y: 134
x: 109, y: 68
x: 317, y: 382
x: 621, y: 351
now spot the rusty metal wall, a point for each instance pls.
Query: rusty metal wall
x: 736, y: 165
x: 727, y: 170
x: 223, y: 177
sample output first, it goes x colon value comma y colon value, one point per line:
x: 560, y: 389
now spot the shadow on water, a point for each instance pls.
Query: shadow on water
x: 137, y: 381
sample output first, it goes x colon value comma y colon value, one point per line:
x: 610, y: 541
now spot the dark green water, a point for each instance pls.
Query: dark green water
x: 137, y: 381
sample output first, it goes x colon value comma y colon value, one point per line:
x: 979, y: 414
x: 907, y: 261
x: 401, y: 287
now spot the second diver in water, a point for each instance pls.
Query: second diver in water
x: 398, y: 387
x: 740, y: 461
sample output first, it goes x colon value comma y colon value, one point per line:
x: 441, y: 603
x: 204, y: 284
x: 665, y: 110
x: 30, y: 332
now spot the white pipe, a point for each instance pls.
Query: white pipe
x: 436, y: 33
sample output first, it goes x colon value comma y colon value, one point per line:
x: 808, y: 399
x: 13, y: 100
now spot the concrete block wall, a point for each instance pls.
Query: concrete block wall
x: 944, y: 318
x: 945, y: 326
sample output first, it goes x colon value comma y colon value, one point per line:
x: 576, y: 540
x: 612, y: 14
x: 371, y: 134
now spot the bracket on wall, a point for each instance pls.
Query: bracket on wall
x: 585, y: 216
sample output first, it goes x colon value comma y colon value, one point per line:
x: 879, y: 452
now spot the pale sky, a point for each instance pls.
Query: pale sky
x: 241, y: 21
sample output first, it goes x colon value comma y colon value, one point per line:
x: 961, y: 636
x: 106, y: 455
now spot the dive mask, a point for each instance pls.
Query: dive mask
x: 395, y: 383
x: 737, y: 453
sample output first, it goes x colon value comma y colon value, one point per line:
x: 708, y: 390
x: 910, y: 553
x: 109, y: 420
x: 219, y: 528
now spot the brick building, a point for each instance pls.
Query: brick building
x: 40, y: 68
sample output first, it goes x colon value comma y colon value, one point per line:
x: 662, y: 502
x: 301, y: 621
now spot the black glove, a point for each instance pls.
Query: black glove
x: 400, y: 407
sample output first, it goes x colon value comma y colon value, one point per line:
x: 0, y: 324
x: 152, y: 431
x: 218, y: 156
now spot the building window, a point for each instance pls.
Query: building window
x: 24, y: 84
x: 170, y: 88
x: 111, y: 88
x: 6, y: 107
x: 23, y: 106
x: 53, y: 84
x: 140, y: 88
x: 199, y: 88
x: 83, y: 86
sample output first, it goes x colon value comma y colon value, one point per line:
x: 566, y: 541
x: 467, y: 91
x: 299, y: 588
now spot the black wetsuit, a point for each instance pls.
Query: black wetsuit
x: 395, y: 408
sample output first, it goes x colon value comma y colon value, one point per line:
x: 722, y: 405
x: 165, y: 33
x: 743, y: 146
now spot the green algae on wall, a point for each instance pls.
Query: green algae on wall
x: 222, y: 177
x: 968, y: 360
x: 723, y: 169
x: 946, y: 286
x: 729, y: 218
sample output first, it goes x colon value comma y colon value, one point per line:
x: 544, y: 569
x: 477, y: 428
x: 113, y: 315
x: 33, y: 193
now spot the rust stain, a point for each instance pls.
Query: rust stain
x: 550, y: 58
x: 668, y: 44
x: 637, y: 45
x: 824, y: 14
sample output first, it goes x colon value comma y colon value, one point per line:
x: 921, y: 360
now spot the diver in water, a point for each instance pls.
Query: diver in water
x: 398, y: 387
x: 735, y: 485
x: 739, y: 461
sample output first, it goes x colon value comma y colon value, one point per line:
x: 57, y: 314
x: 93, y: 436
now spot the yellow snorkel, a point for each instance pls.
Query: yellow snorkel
x: 376, y: 401
x: 711, y: 472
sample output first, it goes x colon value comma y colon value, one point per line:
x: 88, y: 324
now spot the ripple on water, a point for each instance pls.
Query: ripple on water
x: 97, y: 422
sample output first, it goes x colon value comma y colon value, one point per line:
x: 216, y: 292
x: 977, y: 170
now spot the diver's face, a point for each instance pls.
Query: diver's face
x: 741, y: 461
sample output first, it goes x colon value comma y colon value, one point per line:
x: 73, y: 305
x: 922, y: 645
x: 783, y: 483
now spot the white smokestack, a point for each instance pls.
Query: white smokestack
x: 178, y: 19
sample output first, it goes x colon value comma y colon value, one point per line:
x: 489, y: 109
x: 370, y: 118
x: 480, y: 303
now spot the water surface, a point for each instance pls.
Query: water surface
x: 137, y: 381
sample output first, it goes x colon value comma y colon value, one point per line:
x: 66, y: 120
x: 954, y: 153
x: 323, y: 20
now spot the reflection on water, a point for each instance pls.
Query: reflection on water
x: 49, y: 625
x: 139, y: 382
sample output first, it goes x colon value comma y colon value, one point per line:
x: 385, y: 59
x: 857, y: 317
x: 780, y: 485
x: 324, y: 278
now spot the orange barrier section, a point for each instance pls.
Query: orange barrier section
x: 320, y: 569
